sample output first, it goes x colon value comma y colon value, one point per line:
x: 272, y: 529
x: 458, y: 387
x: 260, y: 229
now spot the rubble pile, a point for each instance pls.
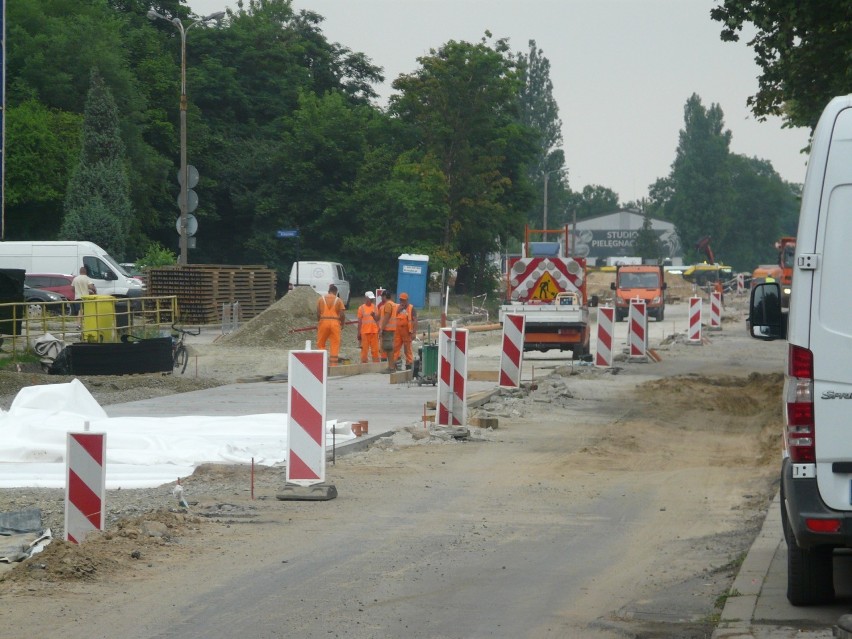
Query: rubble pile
x: 287, y: 324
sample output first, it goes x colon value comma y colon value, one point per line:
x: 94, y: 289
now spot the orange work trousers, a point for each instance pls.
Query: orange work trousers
x: 369, y: 344
x: 328, y: 331
x: 401, y: 340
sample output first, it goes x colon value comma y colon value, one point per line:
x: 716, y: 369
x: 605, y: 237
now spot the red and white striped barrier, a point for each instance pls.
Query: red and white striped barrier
x: 637, y: 329
x: 512, y: 355
x: 307, y: 377
x: 693, y: 334
x: 715, y: 311
x: 85, y: 485
x: 740, y: 284
x: 452, y: 377
x: 606, y: 323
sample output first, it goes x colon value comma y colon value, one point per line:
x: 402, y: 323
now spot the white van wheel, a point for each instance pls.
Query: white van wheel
x: 34, y: 310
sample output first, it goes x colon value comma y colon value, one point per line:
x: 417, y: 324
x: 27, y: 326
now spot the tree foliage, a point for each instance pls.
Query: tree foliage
x: 592, y: 201
x: 97, y: 204
x: 740, y: 203
x: 802, y: 48
x: 647, y: 244
x: 540, y: 112
x: 461, y: 109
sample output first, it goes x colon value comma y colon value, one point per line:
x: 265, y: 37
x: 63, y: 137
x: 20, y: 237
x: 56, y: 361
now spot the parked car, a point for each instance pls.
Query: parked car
x: 36, y: 297
x: 56, y: 282
x: 132, y: 270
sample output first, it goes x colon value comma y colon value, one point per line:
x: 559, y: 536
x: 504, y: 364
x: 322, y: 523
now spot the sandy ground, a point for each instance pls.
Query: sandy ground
x: 695, y: 438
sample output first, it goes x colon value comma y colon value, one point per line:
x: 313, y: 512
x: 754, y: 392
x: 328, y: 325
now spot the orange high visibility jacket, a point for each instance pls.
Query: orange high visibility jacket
x: 404, y: 317
x: 389, y: 316
x: 367, y: 319
x: 329, y: 307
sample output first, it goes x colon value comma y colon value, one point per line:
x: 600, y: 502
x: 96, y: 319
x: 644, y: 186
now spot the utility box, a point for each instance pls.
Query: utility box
x: 412, y: 278
x: 11, y: 293
x: 99, y: 319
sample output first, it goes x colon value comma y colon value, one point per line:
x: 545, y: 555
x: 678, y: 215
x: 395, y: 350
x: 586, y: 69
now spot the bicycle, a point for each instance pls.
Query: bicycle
x: 180, y: 354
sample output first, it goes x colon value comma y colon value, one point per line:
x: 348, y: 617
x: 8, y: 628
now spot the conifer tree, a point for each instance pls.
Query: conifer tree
x: 97, y: 203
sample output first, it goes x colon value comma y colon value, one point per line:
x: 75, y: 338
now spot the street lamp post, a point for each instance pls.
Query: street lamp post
x: 184, y: 173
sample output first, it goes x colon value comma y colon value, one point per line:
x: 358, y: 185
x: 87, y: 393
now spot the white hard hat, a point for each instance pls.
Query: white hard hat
x: 370, y: 294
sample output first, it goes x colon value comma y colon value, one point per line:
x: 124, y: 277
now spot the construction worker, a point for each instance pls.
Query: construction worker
x: 368, y: 327
x: 387, y: 328
x: 406, y: 328
x: 331, y: 315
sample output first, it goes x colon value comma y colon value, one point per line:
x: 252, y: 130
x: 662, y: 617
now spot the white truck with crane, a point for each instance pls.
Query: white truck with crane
x: 548, y: 288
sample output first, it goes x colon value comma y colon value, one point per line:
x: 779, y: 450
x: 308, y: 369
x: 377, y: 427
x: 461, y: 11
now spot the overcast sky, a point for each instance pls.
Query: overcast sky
x: 622, y: 71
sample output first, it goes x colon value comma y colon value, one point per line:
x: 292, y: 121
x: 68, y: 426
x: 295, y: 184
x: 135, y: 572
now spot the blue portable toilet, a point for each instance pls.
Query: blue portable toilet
x: 412, y: 277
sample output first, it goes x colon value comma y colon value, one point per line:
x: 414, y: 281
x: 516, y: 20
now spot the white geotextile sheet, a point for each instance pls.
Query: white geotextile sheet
x: 141, y: 451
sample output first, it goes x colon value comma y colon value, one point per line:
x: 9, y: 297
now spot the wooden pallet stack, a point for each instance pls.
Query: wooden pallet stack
x: 202, y: 289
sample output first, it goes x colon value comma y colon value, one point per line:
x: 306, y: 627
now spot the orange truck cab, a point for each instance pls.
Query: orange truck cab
x: 640, y: 281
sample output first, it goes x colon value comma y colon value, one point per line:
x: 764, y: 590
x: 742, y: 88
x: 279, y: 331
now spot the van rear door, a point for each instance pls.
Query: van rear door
x: 831, y: 315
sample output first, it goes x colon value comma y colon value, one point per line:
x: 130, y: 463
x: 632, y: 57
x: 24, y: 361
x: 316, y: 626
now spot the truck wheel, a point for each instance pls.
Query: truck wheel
x: 618, y: 316
x: 661, y: 314
x: 810, y: 574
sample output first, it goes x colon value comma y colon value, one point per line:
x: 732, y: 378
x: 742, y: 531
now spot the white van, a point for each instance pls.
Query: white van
x: 816, y: 473
x: 318, y: 275
x: 67, y: 257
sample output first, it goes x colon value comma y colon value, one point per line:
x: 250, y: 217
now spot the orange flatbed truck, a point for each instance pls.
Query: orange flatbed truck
x: 640, y: 281
x: 549, y: 289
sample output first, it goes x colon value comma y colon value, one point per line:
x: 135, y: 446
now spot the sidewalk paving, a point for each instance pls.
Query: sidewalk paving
x: 759, y: 608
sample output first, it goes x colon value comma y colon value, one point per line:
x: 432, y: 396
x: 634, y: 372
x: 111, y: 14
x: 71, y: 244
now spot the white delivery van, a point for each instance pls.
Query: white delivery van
x: 67, y: 258
x: 318, y: 275
x: 816, y: 473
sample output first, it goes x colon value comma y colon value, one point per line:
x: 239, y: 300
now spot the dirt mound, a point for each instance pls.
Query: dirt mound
x: 730, y: 395
x: 103, y: 553
x: 287, y: 324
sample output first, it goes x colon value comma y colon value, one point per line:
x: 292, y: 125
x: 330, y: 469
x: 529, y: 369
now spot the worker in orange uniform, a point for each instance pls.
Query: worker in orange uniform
x: 406, y: 328
x: 387, y: 328
x: 331, y: 315
x: 368, y: 327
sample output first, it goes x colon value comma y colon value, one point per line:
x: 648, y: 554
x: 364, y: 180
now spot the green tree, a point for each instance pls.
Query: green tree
x: 461, y: 108
x: 697, y: 195
x: 592, y: 201
x: 765, y: 208
x: 97, y: 204
x: 540, y: 112
x: 45, y: 146
x: 800, y: 47
x: 647, y: 243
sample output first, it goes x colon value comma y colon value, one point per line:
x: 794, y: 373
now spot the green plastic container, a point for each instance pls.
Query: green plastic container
x: 430, y: 360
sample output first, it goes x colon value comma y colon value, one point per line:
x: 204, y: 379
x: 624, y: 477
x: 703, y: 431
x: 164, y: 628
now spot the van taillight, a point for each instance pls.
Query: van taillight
x: 798, y: 394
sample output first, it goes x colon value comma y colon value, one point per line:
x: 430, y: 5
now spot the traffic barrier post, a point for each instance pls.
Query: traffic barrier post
x: 512, y: 354
x: 85, y: 484
x: 606, y: 324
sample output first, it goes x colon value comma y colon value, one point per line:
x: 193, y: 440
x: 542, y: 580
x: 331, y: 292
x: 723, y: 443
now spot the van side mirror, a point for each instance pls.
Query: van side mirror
x: 109, y: 275
x: 612, y: 285
x: 665, y: 285
x: 765, y: 317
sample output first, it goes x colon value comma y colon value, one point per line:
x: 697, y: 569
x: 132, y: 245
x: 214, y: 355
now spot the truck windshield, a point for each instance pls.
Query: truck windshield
x: 639, y: 280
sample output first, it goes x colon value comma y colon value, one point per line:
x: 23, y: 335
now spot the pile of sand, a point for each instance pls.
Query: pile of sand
x: 287, y: 324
